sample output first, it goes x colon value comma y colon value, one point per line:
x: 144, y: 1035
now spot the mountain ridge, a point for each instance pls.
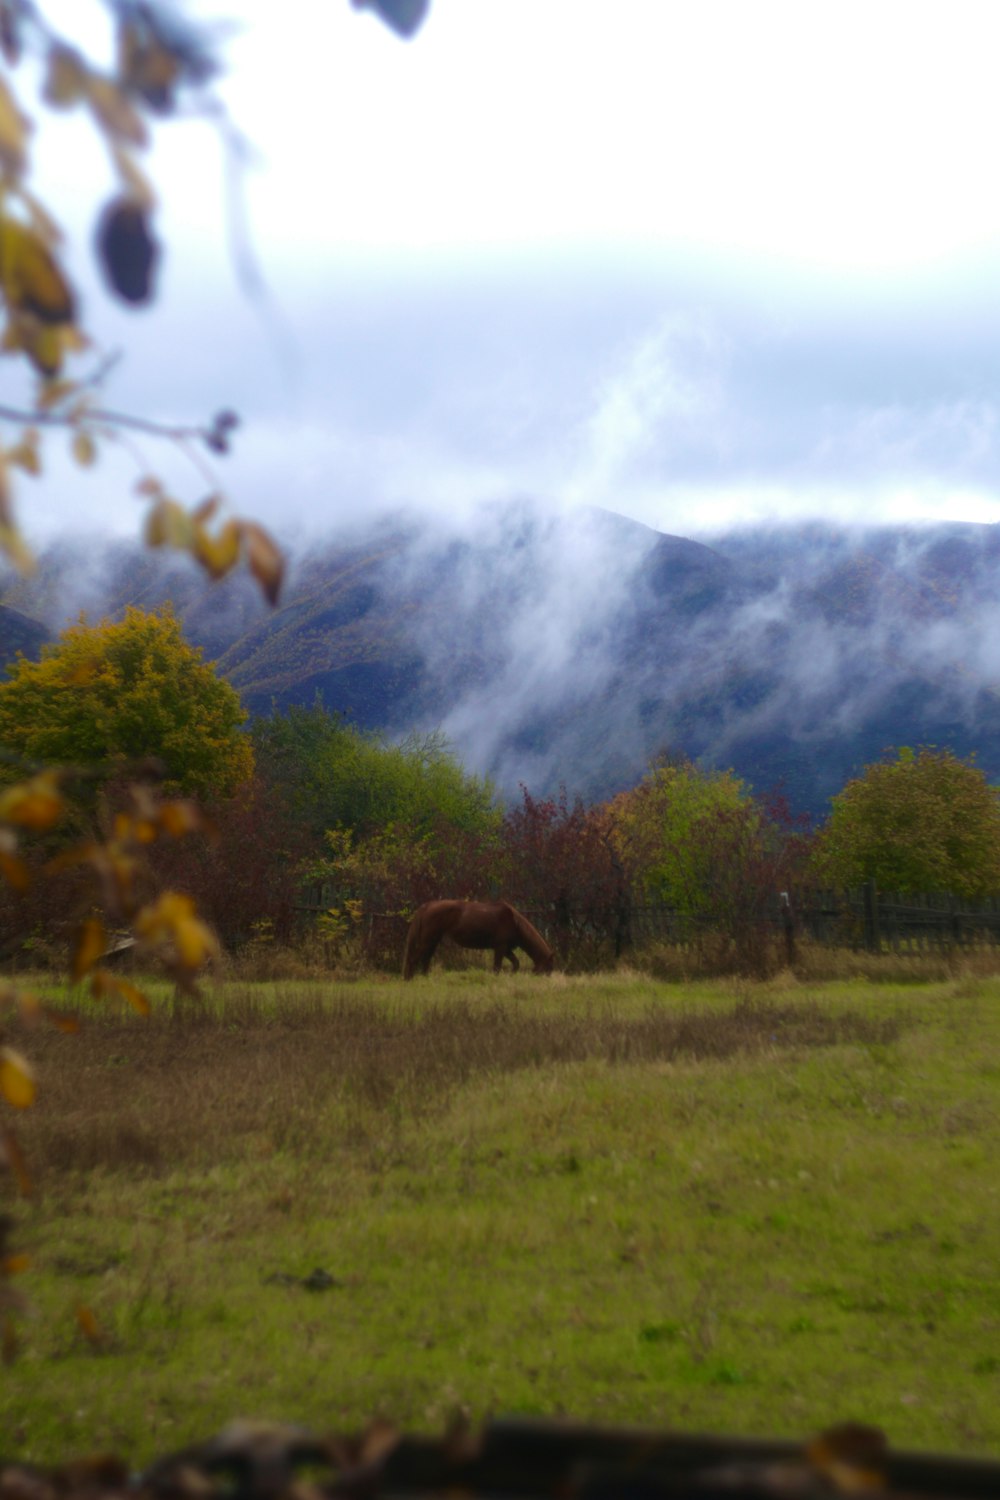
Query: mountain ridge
x: 569, y: 649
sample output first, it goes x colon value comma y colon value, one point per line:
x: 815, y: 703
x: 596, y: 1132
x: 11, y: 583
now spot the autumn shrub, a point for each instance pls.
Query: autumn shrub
x: 561, y: 868
x: 723, y: 864
x: 244, y: 871
x: 377, y: 883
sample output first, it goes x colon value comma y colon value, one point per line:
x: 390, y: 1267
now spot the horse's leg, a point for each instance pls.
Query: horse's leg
x: 428, y: 954
x: 514, y: 965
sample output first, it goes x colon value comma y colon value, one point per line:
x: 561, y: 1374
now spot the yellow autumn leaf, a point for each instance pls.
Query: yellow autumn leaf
x: 147, y: 66
x: 39, y: 217
x: 207, y: 509
x: 12, y: 1157
x: 84, y: 448
x: 36, y: 804
x: 173, y: 918
x: 13, y: 545
x: 89, y: 1325
x: 113, y: 111
x: 78, y: 854
x: 45, y: 344
x: 134, y: 996
x: 157, y: 920
x: 13, y: 134
x: 13, y: 1265
x: 195, y: 942
x: 180, y: 817
x: 105, y: 983
x: 851, y: 1457
x: 30, y: 276
x: 69, y: 1025
x: 24, y: 455
x: 17, y: 1080
x: 264, y: 559
x: 73, y: 339
x: 168, y: 525
x: 91, y: 943
x: 55, y: 392
x: 14, y: 871
x: 29, y: 1006
x: 101, y: 984
x: 220, y: 553
x: 65, y: 78
x: 42, y: 344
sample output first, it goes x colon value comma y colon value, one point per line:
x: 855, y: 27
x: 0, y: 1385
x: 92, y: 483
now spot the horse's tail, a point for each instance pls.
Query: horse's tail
x: 414, y: 943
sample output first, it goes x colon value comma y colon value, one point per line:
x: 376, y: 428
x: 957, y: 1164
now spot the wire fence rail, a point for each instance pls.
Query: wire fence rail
x: 863, y: 919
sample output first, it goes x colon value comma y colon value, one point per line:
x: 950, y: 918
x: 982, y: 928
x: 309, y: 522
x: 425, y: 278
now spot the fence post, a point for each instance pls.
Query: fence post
x: 788, y: 926
x: 873, y: 936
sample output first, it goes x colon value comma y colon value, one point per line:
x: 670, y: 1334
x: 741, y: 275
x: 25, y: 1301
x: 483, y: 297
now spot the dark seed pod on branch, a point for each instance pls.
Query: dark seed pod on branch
x: 404, y: 16
x: 127, y: 251
x: 217, y: 436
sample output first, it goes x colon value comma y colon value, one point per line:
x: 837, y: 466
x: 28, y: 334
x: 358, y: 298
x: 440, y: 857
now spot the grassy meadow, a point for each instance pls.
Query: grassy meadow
x: 731, y: 1207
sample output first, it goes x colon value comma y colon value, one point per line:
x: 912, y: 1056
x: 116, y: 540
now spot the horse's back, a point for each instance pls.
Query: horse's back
x: 474, y: 924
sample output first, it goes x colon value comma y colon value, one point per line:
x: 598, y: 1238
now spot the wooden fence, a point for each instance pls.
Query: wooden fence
x: 879, y: 921
x: 865, y: 919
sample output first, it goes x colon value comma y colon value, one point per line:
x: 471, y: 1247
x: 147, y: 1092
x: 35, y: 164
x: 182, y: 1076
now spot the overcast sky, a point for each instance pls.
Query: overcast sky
x: 698, y: 263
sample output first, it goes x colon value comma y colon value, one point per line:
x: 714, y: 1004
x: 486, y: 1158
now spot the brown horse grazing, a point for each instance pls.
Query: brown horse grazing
x: 473, y: 924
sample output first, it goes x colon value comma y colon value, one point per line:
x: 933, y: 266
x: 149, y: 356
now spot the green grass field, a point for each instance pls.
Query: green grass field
x: 746, y: 1209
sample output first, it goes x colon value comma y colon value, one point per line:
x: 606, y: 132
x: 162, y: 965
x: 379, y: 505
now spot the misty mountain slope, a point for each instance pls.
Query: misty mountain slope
x: 19, y: 633
x: 570, y: 649
x: 337, y: 634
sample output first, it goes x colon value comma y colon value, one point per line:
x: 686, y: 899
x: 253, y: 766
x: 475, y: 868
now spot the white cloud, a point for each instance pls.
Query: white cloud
x: 620, y: 255
x: 663, y: 398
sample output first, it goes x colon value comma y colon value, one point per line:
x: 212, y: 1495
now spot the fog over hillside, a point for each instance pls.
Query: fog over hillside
x: 569, y: 648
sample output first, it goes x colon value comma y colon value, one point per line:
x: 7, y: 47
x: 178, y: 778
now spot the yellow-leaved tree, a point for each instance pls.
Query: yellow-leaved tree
x: 106, y: 697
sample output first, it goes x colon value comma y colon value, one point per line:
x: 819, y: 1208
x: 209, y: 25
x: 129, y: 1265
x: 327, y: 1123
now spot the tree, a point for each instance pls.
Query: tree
x: 105, y: 697
x: 661, y: 830
x: 699, y: 843
x: 925, y: 821
x: 337, y: 777
x: 388, y: 825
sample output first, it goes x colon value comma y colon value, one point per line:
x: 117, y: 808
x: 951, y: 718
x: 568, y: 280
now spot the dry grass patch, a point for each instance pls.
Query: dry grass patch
x: 196, y: 1083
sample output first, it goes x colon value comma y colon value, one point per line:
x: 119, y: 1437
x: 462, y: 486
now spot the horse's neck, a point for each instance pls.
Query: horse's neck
x: 532, y: 941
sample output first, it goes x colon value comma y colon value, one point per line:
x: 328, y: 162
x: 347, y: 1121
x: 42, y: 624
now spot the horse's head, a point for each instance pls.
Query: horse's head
x: 544, y: 965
